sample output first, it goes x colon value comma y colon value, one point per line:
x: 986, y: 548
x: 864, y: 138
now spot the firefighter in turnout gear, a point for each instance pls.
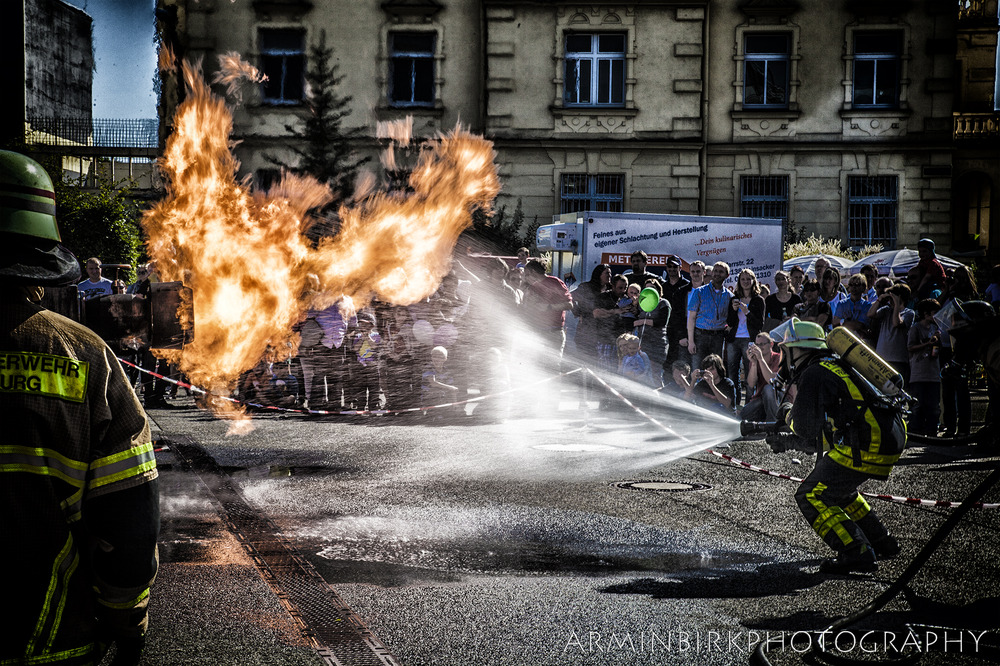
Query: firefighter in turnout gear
x: 863, y: 438
x: 79, y: 506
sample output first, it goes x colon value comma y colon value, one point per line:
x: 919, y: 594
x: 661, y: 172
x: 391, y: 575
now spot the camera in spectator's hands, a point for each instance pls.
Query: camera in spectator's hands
x: 954, y: 370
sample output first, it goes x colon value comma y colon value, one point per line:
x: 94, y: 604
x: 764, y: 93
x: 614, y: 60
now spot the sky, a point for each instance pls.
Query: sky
x: 124, y: 57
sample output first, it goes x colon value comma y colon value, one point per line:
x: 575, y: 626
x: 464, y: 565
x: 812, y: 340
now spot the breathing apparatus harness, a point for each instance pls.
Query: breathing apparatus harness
x: 846, y: 355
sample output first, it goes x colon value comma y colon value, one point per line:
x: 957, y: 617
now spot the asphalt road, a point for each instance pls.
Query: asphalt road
x: 462, y: 541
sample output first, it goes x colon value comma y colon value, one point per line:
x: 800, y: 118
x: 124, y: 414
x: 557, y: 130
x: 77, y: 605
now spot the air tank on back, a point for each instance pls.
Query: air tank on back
x: 863, y: 358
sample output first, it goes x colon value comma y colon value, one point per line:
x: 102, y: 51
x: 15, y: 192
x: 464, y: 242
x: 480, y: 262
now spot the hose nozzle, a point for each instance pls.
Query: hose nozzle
x: 757, y: 427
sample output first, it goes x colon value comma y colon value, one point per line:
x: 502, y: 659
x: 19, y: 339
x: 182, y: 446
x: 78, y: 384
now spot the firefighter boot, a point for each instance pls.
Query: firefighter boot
x: 884, y: 544
x: 886, y: 548
x: 859, y: 559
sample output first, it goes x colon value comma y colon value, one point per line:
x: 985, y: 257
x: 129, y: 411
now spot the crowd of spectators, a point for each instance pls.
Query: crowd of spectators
x: 702, y: 342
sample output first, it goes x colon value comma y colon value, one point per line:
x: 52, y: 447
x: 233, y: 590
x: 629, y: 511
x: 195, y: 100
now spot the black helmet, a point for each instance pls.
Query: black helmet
x: 30, y: 252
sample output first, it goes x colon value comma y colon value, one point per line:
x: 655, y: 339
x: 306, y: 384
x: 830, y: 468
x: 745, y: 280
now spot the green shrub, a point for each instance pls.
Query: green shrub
x: 830, y: 246
x: 102, y: 223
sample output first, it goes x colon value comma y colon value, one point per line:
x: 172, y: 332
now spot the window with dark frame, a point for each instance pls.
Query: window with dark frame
x: 765, y: 71
x: 580, y: 191
x: 974, y: 198
x: 595, y: 69
x: 283, y: 62
x: 872, y: 211
x: 877, y: 57
x: 764, y: 197
x: 411, y: 68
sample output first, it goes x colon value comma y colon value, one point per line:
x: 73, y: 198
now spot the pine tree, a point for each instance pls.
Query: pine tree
x: 528, y: 240
x: 327, y: 154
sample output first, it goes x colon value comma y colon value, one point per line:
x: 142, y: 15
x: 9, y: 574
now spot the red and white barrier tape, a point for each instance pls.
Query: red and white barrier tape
x: 637, y: 410
x: 912, y: 501
x: 350, y: 412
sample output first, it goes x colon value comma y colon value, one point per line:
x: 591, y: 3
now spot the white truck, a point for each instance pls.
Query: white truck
x: 581, y: 241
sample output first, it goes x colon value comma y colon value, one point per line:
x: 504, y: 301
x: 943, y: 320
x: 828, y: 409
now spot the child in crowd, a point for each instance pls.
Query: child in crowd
x: 632, y: 362
x: 680, y: 379
x: 713, y: 389
x: 923, y: 345
x: 630, y: 302
x: 437, y: 386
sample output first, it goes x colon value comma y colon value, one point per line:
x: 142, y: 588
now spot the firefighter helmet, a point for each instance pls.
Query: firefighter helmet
x: 797, y: 333
x: 30, y: 252
x: 27, y: 198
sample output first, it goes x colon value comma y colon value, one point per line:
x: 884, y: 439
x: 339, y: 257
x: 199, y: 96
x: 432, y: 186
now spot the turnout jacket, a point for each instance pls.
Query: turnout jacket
x: 78, y: 493
x: 858, y: 432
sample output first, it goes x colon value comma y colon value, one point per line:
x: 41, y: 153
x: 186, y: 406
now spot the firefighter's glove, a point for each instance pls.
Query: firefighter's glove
x: 784, y: 416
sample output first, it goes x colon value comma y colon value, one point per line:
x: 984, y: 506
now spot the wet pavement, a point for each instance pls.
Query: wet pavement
x: 381, y: 540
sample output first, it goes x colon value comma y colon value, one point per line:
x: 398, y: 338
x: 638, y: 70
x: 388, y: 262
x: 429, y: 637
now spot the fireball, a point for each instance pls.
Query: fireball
x: 246, y: 257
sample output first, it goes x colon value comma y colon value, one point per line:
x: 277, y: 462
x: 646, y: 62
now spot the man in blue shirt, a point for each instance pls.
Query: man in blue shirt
x: 852, y: 312
x: 708, y: 306
x: 95, y: 285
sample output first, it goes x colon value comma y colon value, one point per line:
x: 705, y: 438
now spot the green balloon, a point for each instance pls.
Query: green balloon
x: 648, y: 299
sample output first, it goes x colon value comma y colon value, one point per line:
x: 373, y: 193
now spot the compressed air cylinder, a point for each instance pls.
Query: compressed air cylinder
x: 853, y: 351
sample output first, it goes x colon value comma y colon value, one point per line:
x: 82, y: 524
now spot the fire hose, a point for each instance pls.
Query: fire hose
x: 759, y: 655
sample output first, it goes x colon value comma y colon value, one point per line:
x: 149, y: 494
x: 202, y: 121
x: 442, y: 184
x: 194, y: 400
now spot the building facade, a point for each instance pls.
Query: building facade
x: 977, y: 134
x: 58, y: 61
x: 839, y: 117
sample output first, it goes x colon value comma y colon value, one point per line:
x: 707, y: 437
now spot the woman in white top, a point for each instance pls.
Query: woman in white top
x: 829, y: 288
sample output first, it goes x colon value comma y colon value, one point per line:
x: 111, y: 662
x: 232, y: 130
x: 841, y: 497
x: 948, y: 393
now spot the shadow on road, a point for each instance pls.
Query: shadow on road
x: 767, y: 580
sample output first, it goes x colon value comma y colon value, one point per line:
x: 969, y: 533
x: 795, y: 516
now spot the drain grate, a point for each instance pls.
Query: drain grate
x: 661, y: 486
x: 337, y: 633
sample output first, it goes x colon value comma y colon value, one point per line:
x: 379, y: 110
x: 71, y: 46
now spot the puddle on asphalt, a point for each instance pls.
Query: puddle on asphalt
x: 284, y: 471
x: 373, y: 563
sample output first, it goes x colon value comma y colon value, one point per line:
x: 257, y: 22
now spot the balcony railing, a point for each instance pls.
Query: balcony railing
x: 970, y: 126
x: 99, y: 133
x: 977, y: 10
x: 121, y: 152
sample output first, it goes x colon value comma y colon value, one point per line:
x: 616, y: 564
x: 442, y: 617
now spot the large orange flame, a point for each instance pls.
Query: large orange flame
x: 246, y: 257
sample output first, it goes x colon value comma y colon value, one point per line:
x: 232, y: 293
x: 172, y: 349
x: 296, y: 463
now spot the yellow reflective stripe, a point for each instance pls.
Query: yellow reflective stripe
x: 124, y: 605
x: 51, y: 657
x: 72, y: 506
x: 122, y: 465
x: 43, y: 374
x: 857, y: 509
x: 876, y: 430
x: 878, y: 465
x: 46, y: 462
x: 57, y: 569
x: 67, y: 574
x: 829, y: 518
x: 42, y: 453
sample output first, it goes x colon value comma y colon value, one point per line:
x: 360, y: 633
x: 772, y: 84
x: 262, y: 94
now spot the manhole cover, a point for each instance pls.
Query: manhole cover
x: 661, y: 486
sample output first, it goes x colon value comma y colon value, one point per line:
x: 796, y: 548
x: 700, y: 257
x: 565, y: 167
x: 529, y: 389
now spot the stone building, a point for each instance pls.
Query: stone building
x: 58, y: 61
x: 836, y: 116
x: 977, y: 133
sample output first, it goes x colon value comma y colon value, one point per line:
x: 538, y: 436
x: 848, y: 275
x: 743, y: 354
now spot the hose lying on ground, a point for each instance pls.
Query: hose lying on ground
x: 759, y: 655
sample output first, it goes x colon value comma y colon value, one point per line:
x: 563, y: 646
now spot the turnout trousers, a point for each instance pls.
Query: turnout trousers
x: 830, y: 501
